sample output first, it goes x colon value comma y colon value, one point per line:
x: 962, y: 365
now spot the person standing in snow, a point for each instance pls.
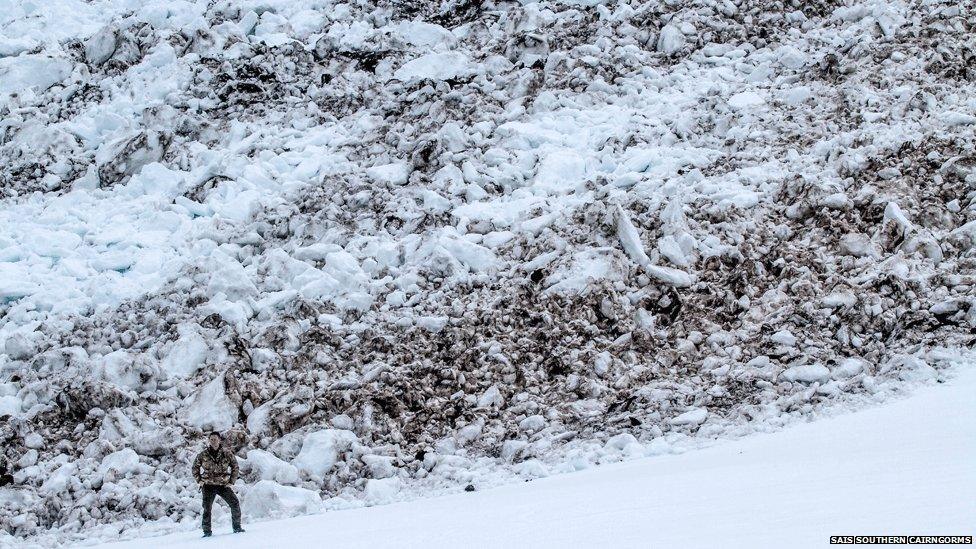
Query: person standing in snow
x: 215, y: 470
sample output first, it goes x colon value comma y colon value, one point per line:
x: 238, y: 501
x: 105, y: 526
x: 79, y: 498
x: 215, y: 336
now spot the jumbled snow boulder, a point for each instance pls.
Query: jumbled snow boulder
x: 210, y: 408
x: 810, y: 373
x: 692, y: 417
x: 121, y: 464
x: 382, y: 490
x: 321, y: 449
x: 268, y: 499
x: 267, y: 466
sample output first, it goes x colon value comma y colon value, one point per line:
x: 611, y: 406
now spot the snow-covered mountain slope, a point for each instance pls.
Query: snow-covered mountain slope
x: 393, y: 248
x: 902, y: 468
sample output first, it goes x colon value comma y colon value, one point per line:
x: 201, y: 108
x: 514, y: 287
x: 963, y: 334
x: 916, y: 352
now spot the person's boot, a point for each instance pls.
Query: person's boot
x: 206, y: 534
x: 238, y: 530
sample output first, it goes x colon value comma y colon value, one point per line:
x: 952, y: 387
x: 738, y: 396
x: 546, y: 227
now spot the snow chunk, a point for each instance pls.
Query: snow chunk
x: 945, y: 307
x: 12, y: 47
x: 601, y: 364
x: 451, y: 253
x: 745, y: 100
x: 836, y: 201
x: 257, y: 420
x: 668, y: 275
x: 496, y: 239
x: 100, y: 46
x: 849, y: 367
x: 267, y: 466
x: 532, y: 468
x: 501, y: 213
x: 468, y: 433
x: 491, y: 397
x: 31, y: 71
x: 911, y: 368
x: 797, y: 96
x: 894, y: 213
x: 784, y: 338
x: 60, y: 479
x: 695, y: 416
x: 839, y: 299
x: 395, y: 173
x: 320, y: 450
x: 268, y: 499
x: 419, y: 33
x: 587, y: 266
x: 342, y: 421
x: 187, y: 354
x: 127, y: 370
x: 857, y: 245
x: 622, y: 441
x: 669, y: 248
x: 156, y: 441
x: 808, y: 373
x: 382, y: 490
x: 13, y: 289
x: 791, y: 57
x: 631, y: 243
x: 10, y: 405
x: 954, y: 118
x: 965, y: 236
x: 532, y: 424
x: 670, y: 40
x: 434, y: 66
x: 123, y: 462
x: 380, y: 466
x: 561, y: 171
x: 8, y: 389
x: 230, y: 278
x: 19, y: 346
x: 630, y: 239
x: 512, y: 448
x: 315, y: 252
x: 210, y: 409
x: 431, y: 323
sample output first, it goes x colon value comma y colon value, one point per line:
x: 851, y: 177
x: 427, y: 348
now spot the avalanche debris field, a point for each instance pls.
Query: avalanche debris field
x: 395, y: 248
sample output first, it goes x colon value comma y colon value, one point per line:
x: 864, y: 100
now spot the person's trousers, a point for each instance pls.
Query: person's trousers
x: 210, y: 491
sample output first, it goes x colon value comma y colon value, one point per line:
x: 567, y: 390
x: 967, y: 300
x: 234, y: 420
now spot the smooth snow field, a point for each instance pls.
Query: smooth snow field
x: 904, y: 468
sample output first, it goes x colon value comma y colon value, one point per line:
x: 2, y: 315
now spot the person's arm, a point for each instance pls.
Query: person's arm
x: 234, y: 470
x: 196, y: 468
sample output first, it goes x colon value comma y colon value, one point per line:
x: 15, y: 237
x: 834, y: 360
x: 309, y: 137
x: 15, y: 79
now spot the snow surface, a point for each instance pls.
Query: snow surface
x: 904, y: 467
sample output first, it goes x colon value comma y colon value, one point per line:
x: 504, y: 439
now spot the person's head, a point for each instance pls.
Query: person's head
x: 214, y: 440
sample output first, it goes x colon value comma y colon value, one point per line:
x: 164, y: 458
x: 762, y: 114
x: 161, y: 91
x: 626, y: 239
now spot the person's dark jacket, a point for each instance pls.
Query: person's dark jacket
x: 217, y: 467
